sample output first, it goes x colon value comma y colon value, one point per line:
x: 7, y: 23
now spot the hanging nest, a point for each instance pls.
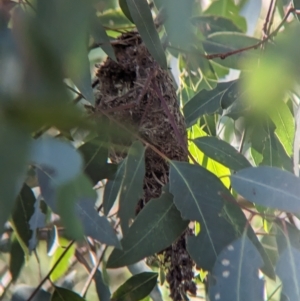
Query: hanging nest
x: 130, y: 92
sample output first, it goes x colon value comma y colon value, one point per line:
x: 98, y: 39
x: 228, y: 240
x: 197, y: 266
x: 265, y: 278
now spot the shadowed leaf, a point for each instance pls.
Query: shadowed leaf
x: 155, y: 228
x: 142, y: 17
x: 136, y: 288
x: 131, y: 190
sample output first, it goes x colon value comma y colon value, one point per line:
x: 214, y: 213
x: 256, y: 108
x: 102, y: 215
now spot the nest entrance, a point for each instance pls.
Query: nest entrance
x: 136, y: 92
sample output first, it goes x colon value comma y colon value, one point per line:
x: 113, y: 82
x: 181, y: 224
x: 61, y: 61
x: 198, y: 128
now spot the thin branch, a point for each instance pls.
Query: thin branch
x: 51, y: 271
x: 92, y: 274
x: 267, y: 20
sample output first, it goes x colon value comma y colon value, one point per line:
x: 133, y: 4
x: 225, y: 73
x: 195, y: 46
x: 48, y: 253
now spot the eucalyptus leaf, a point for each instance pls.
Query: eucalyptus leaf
x: 285, y: 127
x: 13, y: 161
x: 237, y: 268
x: 17, y: 259
x: 136, y: 288
x: 269, y: 187
x: 198, y: 196
x: 95, y: 154
x: 23, y: 211
x: 155, y: 228
x: 142, y: 17
x: 204, y: 102
x: 112, y: 188
x: 288, y: 272
x: 222, y: 152
x: 101, y: 38
x: 131, y: 190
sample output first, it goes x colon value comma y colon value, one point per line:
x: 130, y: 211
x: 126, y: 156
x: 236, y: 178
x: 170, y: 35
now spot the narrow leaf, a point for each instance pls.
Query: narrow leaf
x: 222, y: 152
x: 132, y: 186
x: 136, y: 288
x: 94, y: 225
x: 269, y: 187
x: 23, y: 211
x: 102, y: 289
x: 237, y: 268
x: 204, y: 102
x: 285, y: 127
x: 13, y: 161
x: 155, y: 228
x: 64, y: 264
x: 112, y: 188
x: 17, y: 259
x: 101, y: 38
x: 142, y: 17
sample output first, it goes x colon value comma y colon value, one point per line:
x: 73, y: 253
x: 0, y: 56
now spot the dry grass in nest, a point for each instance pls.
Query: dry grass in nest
x: 136, y: 92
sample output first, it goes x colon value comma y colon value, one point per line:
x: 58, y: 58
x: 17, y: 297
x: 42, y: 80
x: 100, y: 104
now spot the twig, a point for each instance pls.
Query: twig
x: 51, y: 270
x: 266, y: 23
x: 92, y: 274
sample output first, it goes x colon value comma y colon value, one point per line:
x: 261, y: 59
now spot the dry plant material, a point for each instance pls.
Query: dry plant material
x: 127, y: 93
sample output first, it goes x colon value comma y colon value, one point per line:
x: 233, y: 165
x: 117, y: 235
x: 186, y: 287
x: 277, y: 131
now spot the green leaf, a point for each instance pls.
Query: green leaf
x: 222, y: 152
x: 269, y: 187
x: 100, y: 37
x: 102, y: 289
x: 22, y: 213
x: 112, y: 188
x: 13, y: 161
x: 227, y: 9
x: 63, y: 294
x: 209, y: 24
x: 17, y: 259
x: 142, y: 17
x: 64, y: 264
x: 154, y: 229
x: 124, y: 7
x: 136, y: 288
x: 95, y: 154
x: 83, y: 80
x: 224, y: 42
x: 131, y: 190
x: 198, y: 196
x: 237, y: 268
x: 285, y: 127
x: 204, y: 102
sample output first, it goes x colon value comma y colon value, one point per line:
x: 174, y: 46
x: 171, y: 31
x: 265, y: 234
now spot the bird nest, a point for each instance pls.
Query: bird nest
x: 137, y: 93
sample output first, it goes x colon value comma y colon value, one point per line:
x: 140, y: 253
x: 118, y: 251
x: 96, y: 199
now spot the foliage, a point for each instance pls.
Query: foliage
x: 72, y: 176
